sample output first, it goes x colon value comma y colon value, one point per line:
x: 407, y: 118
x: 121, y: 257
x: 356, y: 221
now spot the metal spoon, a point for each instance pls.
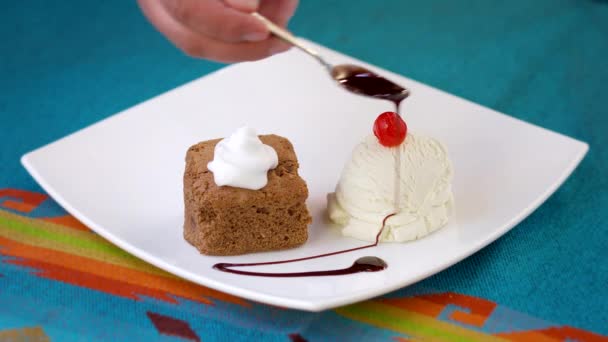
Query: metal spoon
x: 354, y: 78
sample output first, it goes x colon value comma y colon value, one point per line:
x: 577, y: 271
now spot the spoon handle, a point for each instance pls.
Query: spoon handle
x: 291, y: 39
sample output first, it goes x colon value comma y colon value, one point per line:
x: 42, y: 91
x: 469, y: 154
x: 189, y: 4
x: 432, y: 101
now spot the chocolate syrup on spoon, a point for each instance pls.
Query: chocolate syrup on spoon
x: 363, y: 82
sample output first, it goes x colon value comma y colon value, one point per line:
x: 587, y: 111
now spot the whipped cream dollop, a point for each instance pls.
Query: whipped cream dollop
x: 242, y: 160
x: 365, y: 193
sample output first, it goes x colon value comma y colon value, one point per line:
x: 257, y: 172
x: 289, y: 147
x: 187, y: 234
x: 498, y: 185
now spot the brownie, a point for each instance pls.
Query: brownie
x: 224, y: 220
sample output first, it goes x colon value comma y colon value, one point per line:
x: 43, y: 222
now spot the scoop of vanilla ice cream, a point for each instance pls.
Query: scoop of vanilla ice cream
x: 365, y: 193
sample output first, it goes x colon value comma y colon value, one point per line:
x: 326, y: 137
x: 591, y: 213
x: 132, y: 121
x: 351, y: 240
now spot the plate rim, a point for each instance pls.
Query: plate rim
x: 314, y: 306
x: 27, y: 160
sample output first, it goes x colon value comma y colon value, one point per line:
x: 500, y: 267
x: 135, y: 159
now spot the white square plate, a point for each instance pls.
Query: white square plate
x: 123, y: 176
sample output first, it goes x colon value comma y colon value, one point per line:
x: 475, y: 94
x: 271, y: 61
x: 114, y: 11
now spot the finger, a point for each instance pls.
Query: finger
x: 235, y: 52
x: 244, y: 5
x: 197, y: 45
x: 213, y: 18
x: 278, y: 11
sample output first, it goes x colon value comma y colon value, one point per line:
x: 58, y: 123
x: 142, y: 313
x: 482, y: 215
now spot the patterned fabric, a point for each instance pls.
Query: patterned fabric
x: 59, y: 281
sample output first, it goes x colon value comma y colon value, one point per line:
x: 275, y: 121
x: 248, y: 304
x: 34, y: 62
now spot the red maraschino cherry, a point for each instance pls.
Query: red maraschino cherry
x: 390, y: 129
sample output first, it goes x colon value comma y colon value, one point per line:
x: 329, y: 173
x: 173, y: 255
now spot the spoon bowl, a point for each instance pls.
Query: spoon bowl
x: 353, y: 78
x: 364, y: 82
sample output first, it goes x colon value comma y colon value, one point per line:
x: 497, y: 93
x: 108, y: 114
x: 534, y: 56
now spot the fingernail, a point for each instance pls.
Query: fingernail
x: 254, y: 36
x: 244, y: 5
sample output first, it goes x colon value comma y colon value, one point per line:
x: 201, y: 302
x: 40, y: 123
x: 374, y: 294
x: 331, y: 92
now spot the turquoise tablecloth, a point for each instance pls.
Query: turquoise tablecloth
x: 67, y: 64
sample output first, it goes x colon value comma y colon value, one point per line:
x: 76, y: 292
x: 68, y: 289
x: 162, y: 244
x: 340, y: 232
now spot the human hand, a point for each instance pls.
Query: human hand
x: 220, y: 30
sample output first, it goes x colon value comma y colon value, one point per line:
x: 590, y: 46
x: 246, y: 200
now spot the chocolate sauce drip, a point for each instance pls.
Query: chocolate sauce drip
x: 364, y: 264
x: 363, y: 82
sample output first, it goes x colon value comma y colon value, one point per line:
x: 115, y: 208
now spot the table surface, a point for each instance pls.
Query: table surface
x: 65, y: 65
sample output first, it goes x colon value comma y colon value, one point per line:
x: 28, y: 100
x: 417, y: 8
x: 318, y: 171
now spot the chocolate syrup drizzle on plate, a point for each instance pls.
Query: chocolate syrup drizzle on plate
x: 363, y: 82
x: 364, y: 264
